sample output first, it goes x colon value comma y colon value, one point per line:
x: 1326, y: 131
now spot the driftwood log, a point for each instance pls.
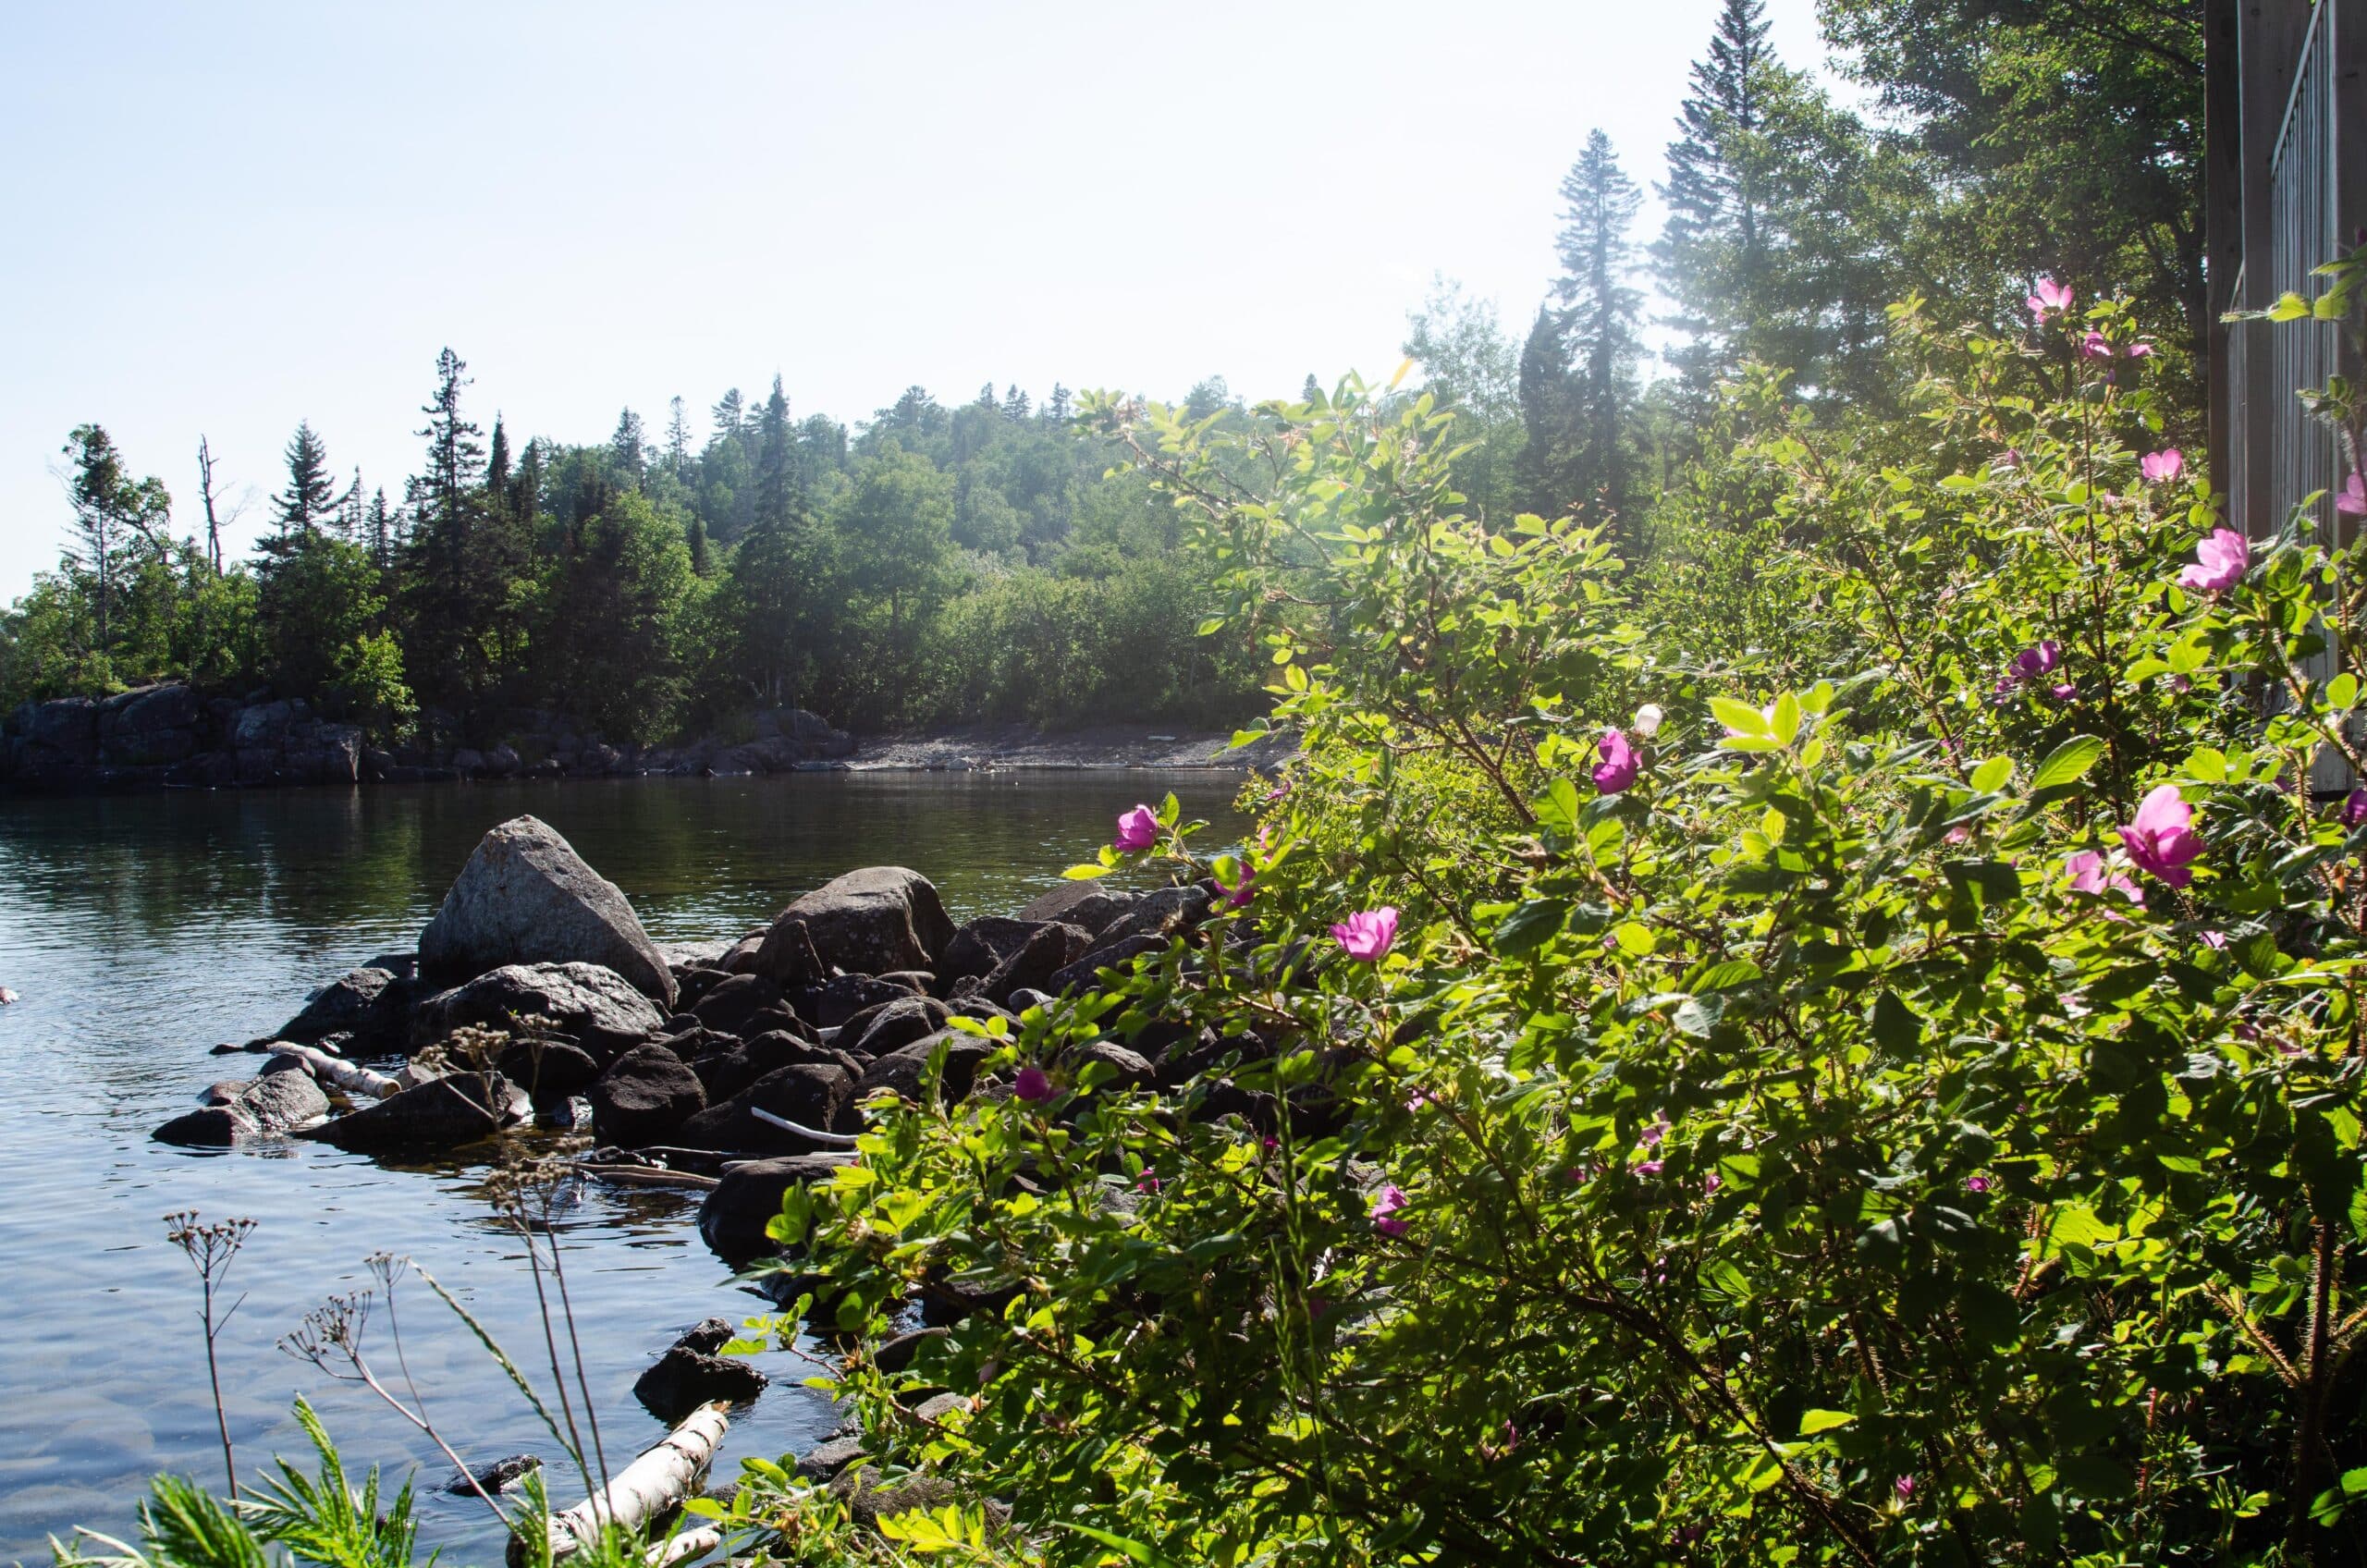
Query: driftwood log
x: 828, y: 1140
x: 647, y: 1489
x: 647, y: 1176
x: 337, y: 1072
x: 683, y: 1547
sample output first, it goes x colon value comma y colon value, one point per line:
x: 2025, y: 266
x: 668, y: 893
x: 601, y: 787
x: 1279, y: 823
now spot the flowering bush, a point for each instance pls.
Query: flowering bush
x: 1910, y: 1114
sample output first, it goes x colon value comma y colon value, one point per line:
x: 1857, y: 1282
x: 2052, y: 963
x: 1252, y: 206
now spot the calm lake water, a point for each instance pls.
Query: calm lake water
x: 142, y: 929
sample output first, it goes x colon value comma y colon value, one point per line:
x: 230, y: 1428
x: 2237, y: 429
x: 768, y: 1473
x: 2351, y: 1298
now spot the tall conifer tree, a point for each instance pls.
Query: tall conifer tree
x: 1600, y: 316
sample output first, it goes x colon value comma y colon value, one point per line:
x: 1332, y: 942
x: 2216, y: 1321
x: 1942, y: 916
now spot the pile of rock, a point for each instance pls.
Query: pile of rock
x: 535, y: 992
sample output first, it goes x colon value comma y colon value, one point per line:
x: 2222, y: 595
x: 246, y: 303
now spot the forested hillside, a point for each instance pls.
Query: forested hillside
x: 989, y: 558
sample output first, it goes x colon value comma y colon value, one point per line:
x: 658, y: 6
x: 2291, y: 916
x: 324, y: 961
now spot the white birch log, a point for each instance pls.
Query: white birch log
x: 647, y: 1176
x: 337, y: 1072
x: 828, y: 1140
x: 643, y: 1490
x: 685, y: 1545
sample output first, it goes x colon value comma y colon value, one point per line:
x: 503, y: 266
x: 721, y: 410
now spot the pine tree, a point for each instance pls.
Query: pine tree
x: 625, y: 446
x: 113, y: 512
x: 702, y: 556
x: 1014, y: 403
x: 987, y: 396
x: 526, y: 489
x: 678, y: 438
x: 1599, y: 316
x: 496, y: 463
x: 1312, y: 392
x: 1711, y: 253
x: 730, y: 415
x: 1544, y: 479
x: 1059, y: 404
x: 310, y: 499
x: 454, y: 453
x: 779, y: 476
x: 385, y: 531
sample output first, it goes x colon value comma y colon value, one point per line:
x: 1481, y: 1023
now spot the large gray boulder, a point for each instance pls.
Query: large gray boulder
x: 871, y: 921
x: 439, y: 1113
x: 594, y: 1006
x: 526, y: 897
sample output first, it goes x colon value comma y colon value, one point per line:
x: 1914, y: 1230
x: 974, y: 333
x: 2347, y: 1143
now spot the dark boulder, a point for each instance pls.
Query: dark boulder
x: 872, y: 921
x: 1160, y: 912
x: 813, y: 1094
x: 438, y: 1114
x: 643, y: 1098
x: 728, y: 1005
x: 891, y: 1025
x: 1079, y: 903
x: 979, y: 947
x: 733, y: 1216
x: 596, y: 1007
x: 726, y: 1072
x: 1050, y: 949
x: 1127, y: 1070
x: 830, y: 1004
x: 902, y: 1069
x: 1120, y: 956
x: 920, y: 981
x: 526, y: 897
x: 691, y: 1373
x: 371, y: 1004
x: 209, y: 1127
x: 778, y: 1018
x: 826, y: 1460
x: 549, y: 1069
x: 784, y: 955
x: 282, y: 1101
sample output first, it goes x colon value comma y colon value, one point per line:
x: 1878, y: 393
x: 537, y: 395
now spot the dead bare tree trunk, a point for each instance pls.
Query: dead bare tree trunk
x: 648, y: 1487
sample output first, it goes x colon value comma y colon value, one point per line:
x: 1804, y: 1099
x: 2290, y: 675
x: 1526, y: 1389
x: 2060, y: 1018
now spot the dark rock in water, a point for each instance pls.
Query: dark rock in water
x: 877, y: 1030
x: 811, y: 1093
x: 830, y: 1004
x: 213, y: 1127
x: 826, y: 1460
x: 690, y: 1374
x: 599, y: 1007
x: 549, y: 1069
x: 1079, y: 903
x: 402, y: 966
x: 868, y: 1500
x: 438, y: 1114
x: 225, y: 1091
x: 978, y: 947
x: 901, y: 1070
x: 526, y: 897
x: 1119, y: 955
x: 742, y: 957
x: 785, y: 955
x: 643, y: 1097
x: 733, y: 1216
x: 871, y: 921
x: 1048, y: 950
x: 728, y: 1007
x: 498, y: 1477
x: 372, y: 1005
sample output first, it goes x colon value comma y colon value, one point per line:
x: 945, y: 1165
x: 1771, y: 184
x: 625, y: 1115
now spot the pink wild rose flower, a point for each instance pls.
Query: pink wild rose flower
x: 2090, y: 874
x: 2352, y: 499
x: 1137, y: 829
x: 1033, y: 1085
x: 2160, y: 468
x: 2094, y: 347
x: 2220, y: 562
x: 1384, y: 1211
x: 1618, y: 767
x: 2162, y: 840
x: 2354, y: 807
x: 2049, y: 296
x: 1367, y: 934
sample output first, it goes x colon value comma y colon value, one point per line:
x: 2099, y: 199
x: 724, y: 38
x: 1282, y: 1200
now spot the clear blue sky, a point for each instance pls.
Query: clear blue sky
x: 225, y: 218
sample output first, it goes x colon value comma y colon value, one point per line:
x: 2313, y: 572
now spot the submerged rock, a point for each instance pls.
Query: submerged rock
x: 496, y: 1477
x: 526, y: 897
x: 283, y: 1099
x: 371, y: 1004
x: 733, y: 1216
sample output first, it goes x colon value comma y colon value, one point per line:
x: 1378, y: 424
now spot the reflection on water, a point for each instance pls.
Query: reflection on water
x: 141, y: 929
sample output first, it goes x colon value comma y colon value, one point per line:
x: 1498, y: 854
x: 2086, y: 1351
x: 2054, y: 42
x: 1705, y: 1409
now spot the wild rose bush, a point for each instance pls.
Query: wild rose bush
x: 1910, y: 1116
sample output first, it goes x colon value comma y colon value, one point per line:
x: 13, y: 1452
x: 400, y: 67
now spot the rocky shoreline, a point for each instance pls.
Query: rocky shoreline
x: 738, y: 1068
x: 170, y: 737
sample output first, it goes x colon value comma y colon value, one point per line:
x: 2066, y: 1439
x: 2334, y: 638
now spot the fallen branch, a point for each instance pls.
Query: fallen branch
x: 339, y: 1074
x: 683, y: 1547
x: 647, y: 1176
x: 648, y: 1487
x: 828, y: 1140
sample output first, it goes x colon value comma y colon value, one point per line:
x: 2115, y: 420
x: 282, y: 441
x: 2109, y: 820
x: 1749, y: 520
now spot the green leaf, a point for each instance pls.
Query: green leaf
x: 1740, y: 718
x: 1816, y: 1421
x: 2068, y: 763
x: 1726, y: 975
x: 1632, y: 939
x: 1131, y: 1551
x: 1530, y: 926
x: 1990, y: 776
x: 1087, y: 873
